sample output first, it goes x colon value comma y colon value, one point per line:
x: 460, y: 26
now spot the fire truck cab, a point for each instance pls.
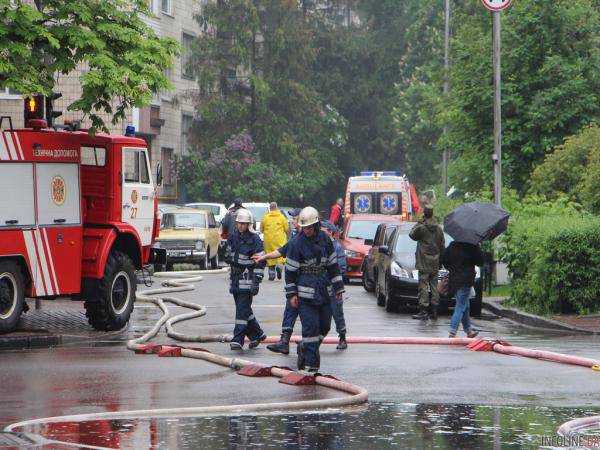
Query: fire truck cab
x: 78, y: 216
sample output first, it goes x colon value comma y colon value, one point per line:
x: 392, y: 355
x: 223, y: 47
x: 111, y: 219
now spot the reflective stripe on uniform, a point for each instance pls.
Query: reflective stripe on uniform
x: 337, y: 279
x: 251, y: 318
x: 332, y: 259
x: 306, y: 289
x: 241, y: 322
x: 292, y: 263
x: 244, y: 262
x: 308, y: 262
x: 310, y: 340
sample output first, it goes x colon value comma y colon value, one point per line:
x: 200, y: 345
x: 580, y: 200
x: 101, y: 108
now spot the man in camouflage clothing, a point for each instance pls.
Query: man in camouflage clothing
x: 430, y: 245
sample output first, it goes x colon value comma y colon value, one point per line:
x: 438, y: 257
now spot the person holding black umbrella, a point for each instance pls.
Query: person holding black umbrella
x: 469, y: 225
x: 460, y: 258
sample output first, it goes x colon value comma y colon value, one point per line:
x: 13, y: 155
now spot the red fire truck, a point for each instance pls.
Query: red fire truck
x: 78, y: 216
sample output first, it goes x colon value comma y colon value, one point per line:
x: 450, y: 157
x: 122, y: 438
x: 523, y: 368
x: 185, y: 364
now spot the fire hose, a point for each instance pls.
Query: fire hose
x: 182, y: 281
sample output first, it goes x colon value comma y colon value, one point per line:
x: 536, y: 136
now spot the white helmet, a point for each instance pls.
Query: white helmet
x: 308, y: 216
x: 243, y: 216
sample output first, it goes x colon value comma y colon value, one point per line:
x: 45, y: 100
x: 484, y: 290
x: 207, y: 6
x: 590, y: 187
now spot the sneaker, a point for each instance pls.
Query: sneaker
x: 452, y: 334
x: 256, y: 342
x: 235, y: 346
x: 472, y: 333
x: 342, y: 344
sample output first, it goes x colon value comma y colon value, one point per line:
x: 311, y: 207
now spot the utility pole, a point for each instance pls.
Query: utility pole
x: 497, y: 111
x: 446, y: 154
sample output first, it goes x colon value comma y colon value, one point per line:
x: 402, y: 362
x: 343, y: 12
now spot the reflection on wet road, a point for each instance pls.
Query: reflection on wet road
x: 105, y: 377
x: 379, y: 425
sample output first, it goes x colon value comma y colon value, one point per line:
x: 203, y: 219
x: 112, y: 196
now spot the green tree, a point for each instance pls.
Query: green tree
x: 254, y: 74
x: 551, y: 81
x: 573, y: 168
x: 123, y: 57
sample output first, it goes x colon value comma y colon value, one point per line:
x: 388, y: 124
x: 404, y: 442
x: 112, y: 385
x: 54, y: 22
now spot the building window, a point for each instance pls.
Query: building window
x: 167, y: 95
x: 165, y: 7
x: 10, y: 93
x: 187, y: 41
x: 186, y: 124
x: 167, y: 164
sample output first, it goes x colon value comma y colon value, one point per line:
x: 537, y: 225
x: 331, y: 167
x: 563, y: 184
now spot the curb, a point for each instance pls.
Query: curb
x: 46, y: 339
x: 29, y: 341
x: 493, y: 305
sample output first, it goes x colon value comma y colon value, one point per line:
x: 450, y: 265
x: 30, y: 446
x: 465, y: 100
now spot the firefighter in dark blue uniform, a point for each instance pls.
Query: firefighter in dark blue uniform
x: 313, y: 281
x: 245, y: 277
x: 289, y: 314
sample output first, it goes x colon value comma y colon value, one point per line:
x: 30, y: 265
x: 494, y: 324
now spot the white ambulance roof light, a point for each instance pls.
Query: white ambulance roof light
x: 379, y: 174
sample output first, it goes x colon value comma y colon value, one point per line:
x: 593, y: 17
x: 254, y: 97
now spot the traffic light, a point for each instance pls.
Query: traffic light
x: 50, y: 113
x: 33, y: 107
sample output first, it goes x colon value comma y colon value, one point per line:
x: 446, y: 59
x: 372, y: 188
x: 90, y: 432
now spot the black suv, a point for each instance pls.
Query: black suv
x: 395, y: 279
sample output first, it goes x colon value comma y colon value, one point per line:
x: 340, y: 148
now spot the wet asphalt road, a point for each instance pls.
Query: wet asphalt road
x: 108, y: 377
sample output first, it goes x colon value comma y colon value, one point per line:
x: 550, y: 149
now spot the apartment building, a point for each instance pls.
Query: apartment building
x: 165, y: 123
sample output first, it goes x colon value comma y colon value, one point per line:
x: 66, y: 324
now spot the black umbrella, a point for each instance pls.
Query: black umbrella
x: 476, y: 222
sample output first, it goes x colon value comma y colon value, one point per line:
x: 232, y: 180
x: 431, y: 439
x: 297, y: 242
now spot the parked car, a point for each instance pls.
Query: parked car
x: 357, y: 239
x: 382, y: 237
x: 218, y: 209
x: 397, y: 280
x: 189, y: 236
x: 166, y: 207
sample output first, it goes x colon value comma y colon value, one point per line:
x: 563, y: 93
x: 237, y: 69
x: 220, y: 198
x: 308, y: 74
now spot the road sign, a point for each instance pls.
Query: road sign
x: 496, y: 5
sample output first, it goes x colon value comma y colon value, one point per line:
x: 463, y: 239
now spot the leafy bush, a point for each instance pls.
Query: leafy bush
x: 573, y: 169
x: 553, y: 254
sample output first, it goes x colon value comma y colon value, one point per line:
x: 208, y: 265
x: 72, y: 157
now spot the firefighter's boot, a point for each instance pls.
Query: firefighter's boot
x: 422, y: 315
x: 434, y: 312
x: 283, y: 346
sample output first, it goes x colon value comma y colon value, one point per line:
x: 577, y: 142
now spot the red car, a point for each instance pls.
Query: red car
x: 357, y: 239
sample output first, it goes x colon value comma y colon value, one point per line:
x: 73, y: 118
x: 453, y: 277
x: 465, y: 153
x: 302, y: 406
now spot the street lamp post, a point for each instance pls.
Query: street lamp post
x: 497, y: 111
x: 495, y: 6
x: 446, y: 153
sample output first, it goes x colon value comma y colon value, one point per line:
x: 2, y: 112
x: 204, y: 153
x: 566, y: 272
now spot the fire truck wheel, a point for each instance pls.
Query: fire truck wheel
x: 115, y: 294
x: 12, y: 295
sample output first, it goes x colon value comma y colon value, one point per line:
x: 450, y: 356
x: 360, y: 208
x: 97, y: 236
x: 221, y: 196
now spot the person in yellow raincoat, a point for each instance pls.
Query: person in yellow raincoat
x: 275, y: 228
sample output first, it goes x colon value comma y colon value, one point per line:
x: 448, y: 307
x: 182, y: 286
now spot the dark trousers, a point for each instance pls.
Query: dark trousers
x: 316, y: 322
x: 338, y: 316
x: 290, y: 314
x: 245, y: 322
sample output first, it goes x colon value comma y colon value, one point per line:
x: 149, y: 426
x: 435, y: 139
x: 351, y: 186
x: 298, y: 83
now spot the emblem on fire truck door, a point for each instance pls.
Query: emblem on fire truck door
x: 134, y: 196
x: 58, y: 190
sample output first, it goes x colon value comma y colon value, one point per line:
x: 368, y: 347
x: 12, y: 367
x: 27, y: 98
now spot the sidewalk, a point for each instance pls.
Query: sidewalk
x: 58, y: 322
x: 573, y: 323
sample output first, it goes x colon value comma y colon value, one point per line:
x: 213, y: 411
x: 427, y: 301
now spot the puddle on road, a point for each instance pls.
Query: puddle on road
x: 379, y: 425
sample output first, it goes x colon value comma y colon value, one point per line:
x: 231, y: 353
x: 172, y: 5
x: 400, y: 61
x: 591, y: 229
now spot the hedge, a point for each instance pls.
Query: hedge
x: 555, y: 263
